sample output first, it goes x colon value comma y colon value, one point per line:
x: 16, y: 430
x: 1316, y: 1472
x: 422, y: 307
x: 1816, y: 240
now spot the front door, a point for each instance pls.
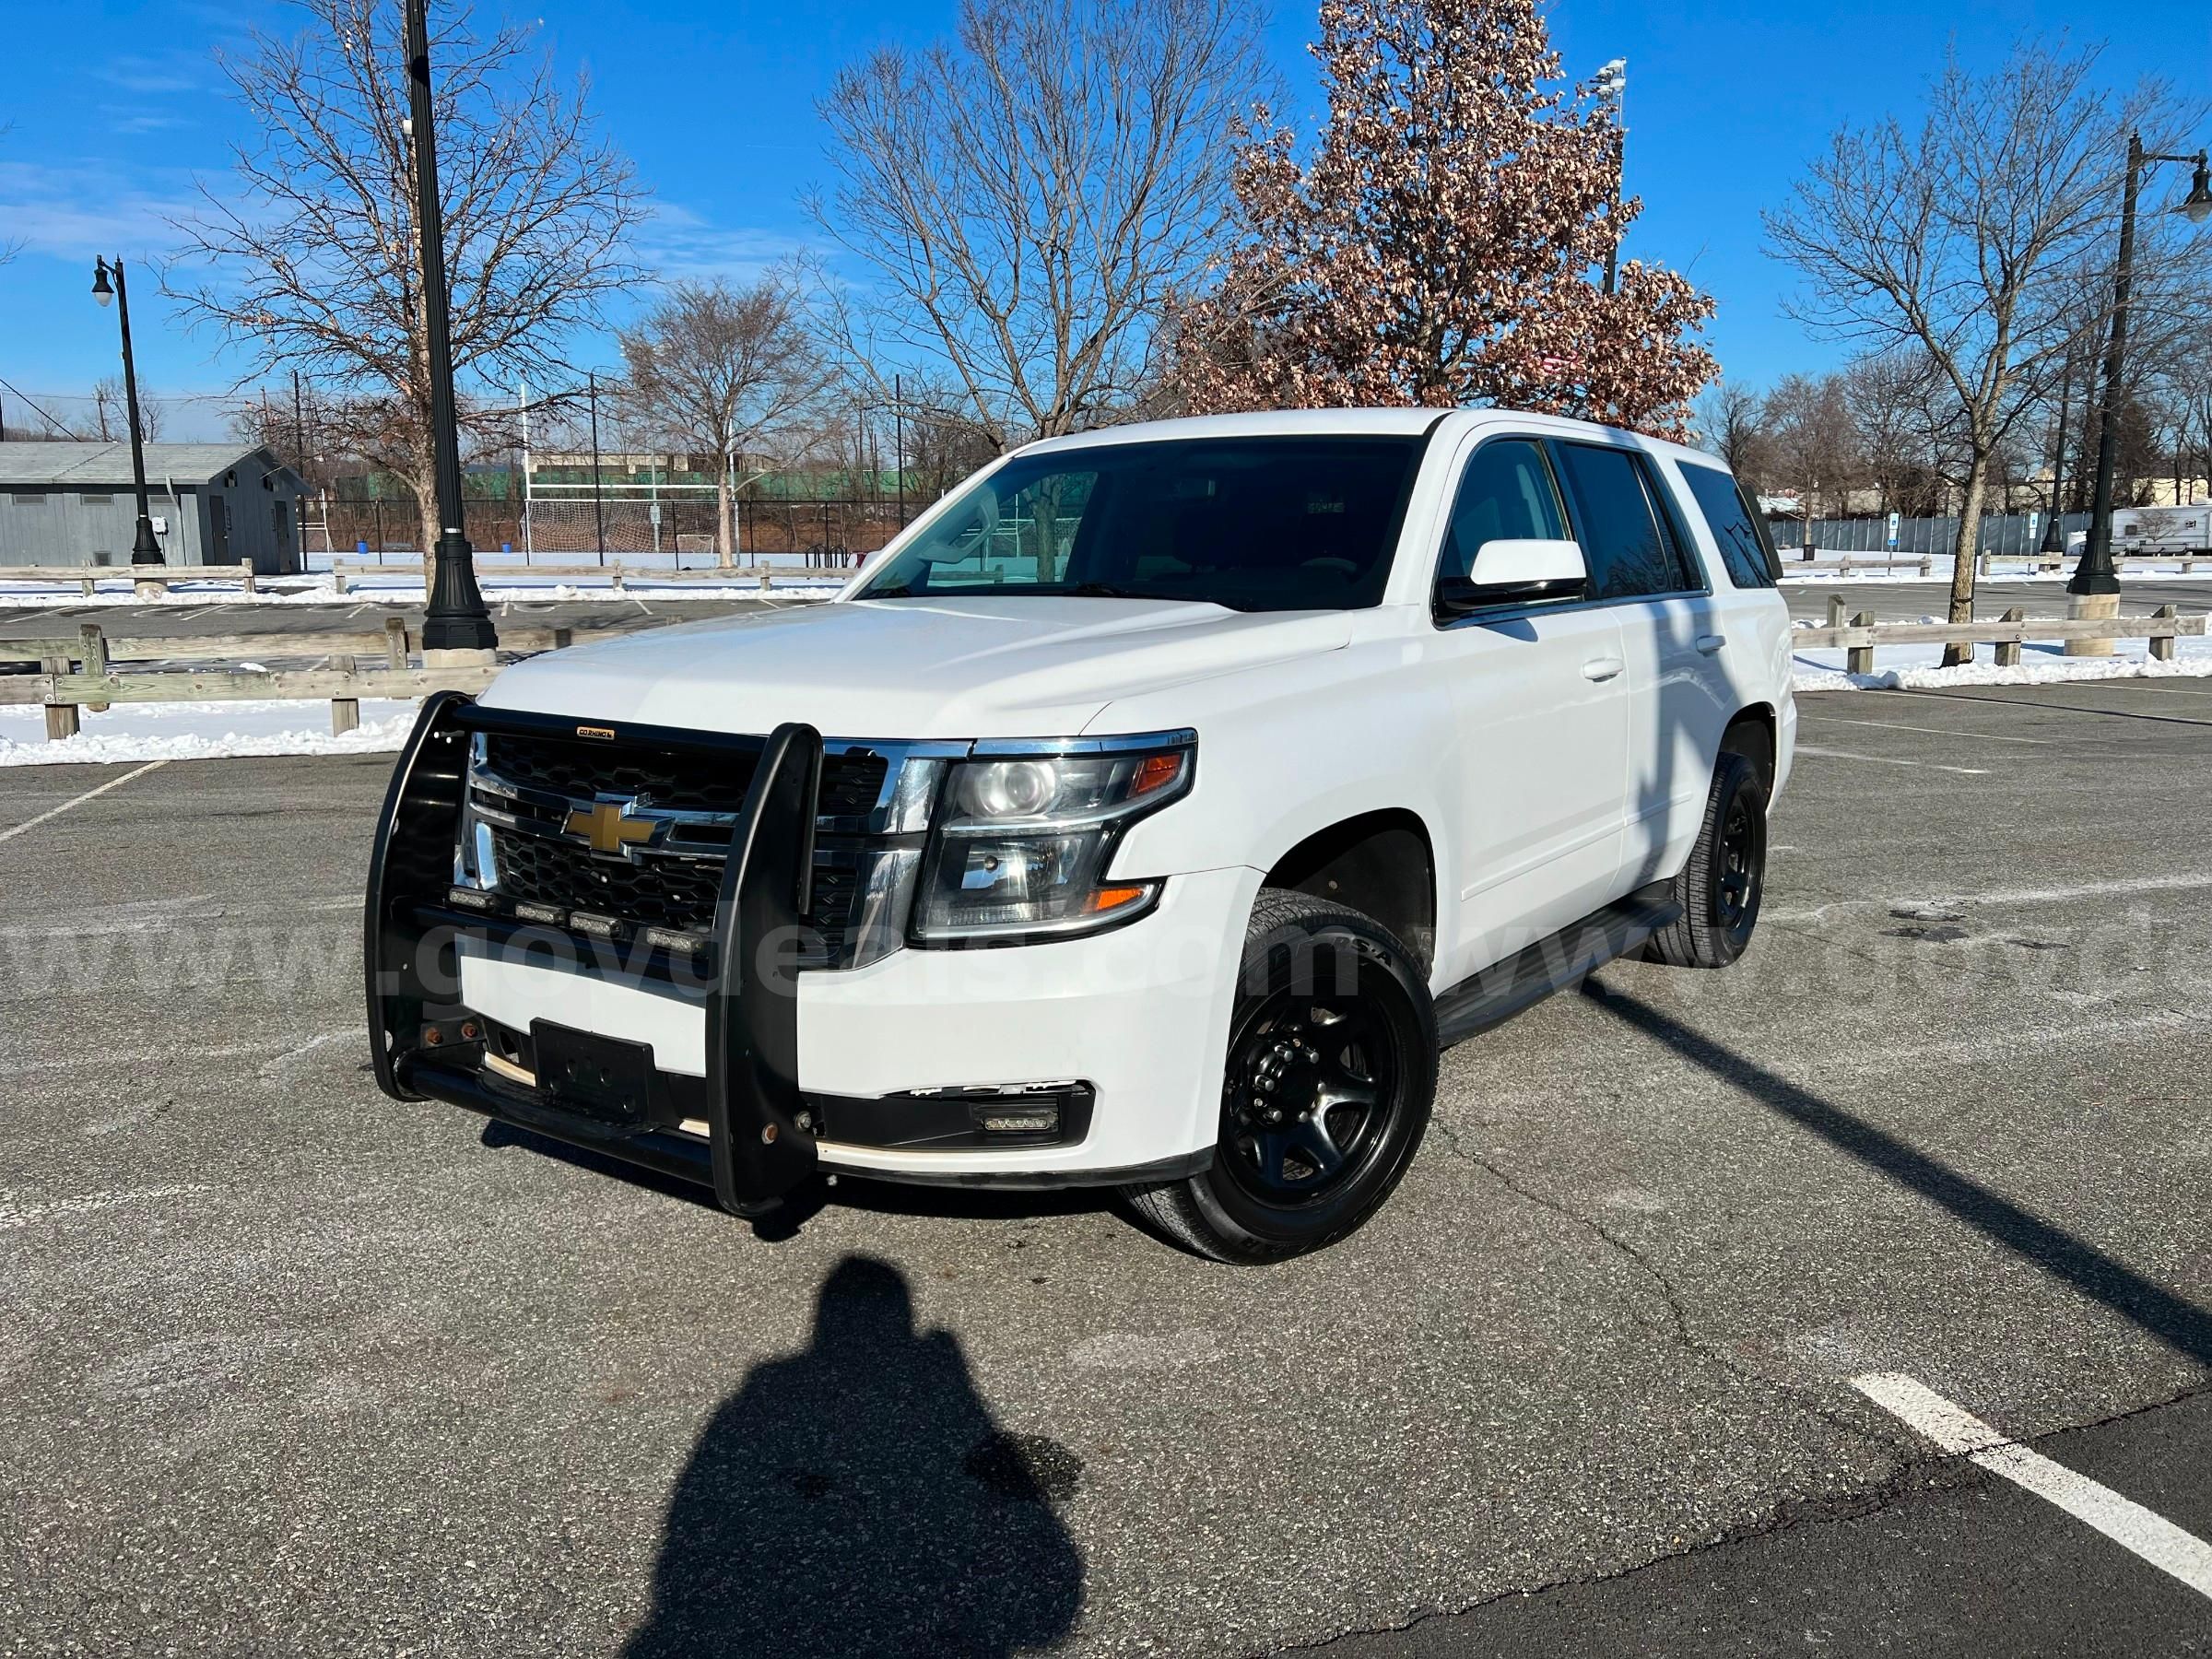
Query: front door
x: 1540, y: 698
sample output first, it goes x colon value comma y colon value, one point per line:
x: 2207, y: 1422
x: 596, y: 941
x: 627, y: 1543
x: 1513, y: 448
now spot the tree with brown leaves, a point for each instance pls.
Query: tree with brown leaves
x: 1439, y: 246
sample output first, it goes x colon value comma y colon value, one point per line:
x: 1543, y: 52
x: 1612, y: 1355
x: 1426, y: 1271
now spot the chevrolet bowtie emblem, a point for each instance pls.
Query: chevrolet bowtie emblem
x: 608, y: 827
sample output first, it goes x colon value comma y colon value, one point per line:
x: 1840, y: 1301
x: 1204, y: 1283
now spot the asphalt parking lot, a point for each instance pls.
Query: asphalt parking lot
x: 286, y: 1368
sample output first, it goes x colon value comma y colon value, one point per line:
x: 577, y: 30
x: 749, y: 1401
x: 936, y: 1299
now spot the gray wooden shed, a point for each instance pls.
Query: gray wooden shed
x: 211, y: 504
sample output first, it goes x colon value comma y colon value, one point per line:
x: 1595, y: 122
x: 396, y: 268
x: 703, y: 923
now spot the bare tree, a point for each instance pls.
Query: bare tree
x: 112, y: 413
x: 717, y: 368
x: 310, y: 259
x: 1810, y: 438
x: 1897, y: 414
x: 1956, y: 242
x: 1028, y: 198
x: 1731, y: 421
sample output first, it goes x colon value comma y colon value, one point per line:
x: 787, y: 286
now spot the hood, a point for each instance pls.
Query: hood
x: 1026, y: 667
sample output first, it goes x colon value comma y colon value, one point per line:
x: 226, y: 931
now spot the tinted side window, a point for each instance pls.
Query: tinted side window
x: 1506, y: 493
x: 1735, y: 531
x: 1627, y: 551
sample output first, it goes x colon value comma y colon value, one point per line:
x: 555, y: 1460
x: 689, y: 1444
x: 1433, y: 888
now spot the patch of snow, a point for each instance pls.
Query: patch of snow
x: 203, y: 730
x: 1919, y: 667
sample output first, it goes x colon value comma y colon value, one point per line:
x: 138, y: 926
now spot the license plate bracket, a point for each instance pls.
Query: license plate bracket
x: 601, y: 1077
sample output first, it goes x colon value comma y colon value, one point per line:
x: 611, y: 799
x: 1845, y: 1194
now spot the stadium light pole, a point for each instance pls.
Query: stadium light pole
x: 1613, y: 86
x: 456, y: 619
x: 145, y: 550
x: 2095, y: 584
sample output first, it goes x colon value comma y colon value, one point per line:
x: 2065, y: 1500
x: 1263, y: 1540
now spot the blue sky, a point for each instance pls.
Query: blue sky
x: 115, y: 110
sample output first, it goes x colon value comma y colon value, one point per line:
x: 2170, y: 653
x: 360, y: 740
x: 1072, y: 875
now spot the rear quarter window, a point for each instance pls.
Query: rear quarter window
x: 1737, y: 531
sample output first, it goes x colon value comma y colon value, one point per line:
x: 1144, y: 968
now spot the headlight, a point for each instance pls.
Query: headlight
x: 1023, y: 841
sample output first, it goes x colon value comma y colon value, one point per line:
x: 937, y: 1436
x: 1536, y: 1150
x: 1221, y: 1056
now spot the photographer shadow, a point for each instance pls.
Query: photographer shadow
x: 858, y: 1498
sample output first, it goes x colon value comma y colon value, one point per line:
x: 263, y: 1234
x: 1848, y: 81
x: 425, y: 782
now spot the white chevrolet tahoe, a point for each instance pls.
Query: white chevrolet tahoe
x: 1147, y: 815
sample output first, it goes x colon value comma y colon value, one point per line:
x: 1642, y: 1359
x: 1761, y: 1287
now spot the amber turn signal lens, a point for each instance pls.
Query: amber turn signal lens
x: 1113, y: 897
x: 1155, y: 772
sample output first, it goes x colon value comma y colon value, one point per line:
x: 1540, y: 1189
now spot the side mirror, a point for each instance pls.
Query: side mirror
x: 1517, y: 571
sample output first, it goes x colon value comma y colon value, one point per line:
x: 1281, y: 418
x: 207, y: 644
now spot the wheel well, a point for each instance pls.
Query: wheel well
x: 1379, y: 863
x: 1752, y: 733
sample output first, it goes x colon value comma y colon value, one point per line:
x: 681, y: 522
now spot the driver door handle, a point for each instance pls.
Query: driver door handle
x: 1709, y: 644
x: 1602, y: 668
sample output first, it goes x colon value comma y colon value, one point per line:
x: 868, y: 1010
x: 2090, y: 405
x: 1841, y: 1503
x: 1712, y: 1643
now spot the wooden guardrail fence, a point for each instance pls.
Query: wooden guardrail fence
x: 78, y: 674
x: 151, y: 582
x: 619, y: 576
x: 1862, y: 635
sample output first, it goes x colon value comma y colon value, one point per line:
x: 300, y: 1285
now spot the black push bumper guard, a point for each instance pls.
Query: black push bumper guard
x: 758, y: 1146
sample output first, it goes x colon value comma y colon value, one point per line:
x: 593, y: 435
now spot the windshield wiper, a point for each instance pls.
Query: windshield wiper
x: 1106, y: 590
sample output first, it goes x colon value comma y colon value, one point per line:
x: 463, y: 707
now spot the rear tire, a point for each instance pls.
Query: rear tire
x: 1326, y: 1088
x: 1722, y: 885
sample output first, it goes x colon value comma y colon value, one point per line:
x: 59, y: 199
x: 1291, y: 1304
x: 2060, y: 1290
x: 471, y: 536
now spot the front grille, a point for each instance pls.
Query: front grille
x: 655, y: 892
x: 668, y: 886
x: 658, y: 892
x: 586, y: 771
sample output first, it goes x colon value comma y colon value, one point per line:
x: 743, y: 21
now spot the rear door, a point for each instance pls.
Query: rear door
x: 1540, y: 700
x: 1672, y: 634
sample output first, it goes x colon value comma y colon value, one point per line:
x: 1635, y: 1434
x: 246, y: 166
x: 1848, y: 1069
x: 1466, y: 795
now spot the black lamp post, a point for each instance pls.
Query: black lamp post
x: 2094, y: 574
x: 456, y: 618
x: 145, y: 550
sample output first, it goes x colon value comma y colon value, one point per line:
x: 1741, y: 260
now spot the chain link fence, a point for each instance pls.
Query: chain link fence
x: 815, y: 533
x: 2003, y: 534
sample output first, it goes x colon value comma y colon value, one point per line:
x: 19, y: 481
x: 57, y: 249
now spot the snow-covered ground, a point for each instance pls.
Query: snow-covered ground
x: 201, y: 731
x: 1918, y: 668
x: 141, y: 732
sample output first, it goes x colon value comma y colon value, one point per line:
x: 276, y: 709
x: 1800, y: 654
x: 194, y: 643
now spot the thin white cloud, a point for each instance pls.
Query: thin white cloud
x: 678, y: 244
x: 159, y: 74
x: 76, y: 210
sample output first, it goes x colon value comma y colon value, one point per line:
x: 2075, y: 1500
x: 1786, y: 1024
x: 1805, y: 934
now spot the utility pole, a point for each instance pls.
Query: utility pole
x: 591, y: 381
x: 898, y: 438
x: 523, y: 392
x: 456, y: 620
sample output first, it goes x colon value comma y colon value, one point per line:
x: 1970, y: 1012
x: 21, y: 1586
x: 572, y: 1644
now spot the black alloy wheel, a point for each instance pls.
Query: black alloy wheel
x: 1327, y: 1082
x: 1309, y: 1090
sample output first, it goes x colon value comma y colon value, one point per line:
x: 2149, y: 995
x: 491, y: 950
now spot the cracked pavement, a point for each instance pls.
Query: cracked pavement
x: 288, y: 1367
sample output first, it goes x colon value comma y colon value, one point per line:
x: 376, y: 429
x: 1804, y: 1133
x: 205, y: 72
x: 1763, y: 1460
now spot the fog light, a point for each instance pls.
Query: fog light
x: 1018, y: 1120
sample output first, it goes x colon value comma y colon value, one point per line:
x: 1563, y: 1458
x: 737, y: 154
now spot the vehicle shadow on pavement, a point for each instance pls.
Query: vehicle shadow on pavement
x: 858, y: 1498
x: 2180, y: 1323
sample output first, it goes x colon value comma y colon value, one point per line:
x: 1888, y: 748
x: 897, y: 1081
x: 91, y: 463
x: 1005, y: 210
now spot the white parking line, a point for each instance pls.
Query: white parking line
x: 1829, y: 754
x: 80, y: 801
x: 1892, y: 725
x: 2147, y: 1534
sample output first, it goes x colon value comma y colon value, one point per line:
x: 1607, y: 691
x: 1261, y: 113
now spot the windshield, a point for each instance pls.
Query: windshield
x: 1254, y: 523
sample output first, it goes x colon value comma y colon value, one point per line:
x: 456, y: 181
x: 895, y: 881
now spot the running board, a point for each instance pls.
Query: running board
x: 1565, y: 958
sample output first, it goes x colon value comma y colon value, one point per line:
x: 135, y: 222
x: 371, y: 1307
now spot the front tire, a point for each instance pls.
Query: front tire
x: 1329, y: 1078
x: 1722, y: 885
